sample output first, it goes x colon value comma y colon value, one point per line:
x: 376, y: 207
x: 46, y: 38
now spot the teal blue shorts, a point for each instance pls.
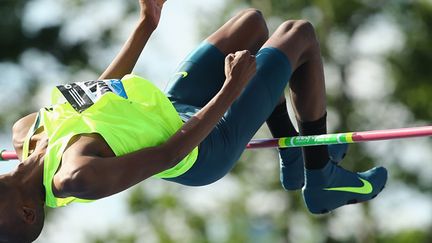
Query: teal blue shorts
x: 197, y: 81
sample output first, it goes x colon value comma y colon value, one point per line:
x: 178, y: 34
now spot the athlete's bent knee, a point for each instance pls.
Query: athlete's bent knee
x: 252, y: 13
x: 254, y: 18
x: 301, y: 29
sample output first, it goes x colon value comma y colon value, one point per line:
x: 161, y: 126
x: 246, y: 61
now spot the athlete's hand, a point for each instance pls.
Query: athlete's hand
x: 151, y: 11
x: 240, y: 67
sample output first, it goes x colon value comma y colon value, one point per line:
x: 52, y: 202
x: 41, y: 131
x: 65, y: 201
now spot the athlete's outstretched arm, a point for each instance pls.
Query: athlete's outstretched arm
x: 126, y: 59
x: 94, y: 177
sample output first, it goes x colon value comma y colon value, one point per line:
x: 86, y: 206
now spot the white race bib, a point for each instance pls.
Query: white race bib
x: 82, y: 95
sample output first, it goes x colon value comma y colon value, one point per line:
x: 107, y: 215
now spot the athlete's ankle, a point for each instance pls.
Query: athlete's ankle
x: 315, y: 157
x: 279, y: 122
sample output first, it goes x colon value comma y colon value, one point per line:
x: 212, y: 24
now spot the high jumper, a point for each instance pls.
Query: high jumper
x: 110, y: 134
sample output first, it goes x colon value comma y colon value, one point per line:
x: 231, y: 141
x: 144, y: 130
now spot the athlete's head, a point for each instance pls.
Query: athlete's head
x: 21, y: 216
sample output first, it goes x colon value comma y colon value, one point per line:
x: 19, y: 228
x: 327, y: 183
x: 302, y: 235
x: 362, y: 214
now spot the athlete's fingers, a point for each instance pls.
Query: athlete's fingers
x: 247, y: 58
x: 242, y: 58
x: 242, y: 54
x: 229, y: 58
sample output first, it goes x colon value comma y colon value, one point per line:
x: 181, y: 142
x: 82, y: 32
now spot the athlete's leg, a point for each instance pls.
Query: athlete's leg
x: 224, y: 145
x: 324, y: 180
x: 293, y: 45
x: 292, y: 174
x: 246, y: 31
x: 222, y: 148
x: 256, y: 103
x: 202, y: 75
x: 308, y: 81
x: 279, y: 123
x: 296, y: 39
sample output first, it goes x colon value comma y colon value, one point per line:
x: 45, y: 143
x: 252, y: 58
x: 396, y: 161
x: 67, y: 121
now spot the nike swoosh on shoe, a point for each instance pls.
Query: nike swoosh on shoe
x: 365, y: 189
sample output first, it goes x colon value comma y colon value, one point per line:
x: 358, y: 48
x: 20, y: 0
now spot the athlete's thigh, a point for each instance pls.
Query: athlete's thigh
x: 223, y: 146
x: 245, y: 31
x: 199, y: 77
x: 247, y: 114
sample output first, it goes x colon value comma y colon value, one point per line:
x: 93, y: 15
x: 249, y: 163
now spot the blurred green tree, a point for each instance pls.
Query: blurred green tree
x: 25, y: 42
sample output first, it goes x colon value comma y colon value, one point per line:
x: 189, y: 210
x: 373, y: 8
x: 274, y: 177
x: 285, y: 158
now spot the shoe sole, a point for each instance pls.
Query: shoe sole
x: 350, y: 202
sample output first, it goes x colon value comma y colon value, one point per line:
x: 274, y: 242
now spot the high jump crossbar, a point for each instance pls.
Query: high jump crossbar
x: 325, y: 139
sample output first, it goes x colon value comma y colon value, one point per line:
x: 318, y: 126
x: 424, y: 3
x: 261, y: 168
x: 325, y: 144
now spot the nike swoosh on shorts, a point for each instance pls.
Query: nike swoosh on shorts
x: 183, y: 74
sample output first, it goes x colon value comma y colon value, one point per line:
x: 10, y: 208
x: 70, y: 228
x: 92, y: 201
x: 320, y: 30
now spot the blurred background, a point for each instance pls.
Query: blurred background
x: 377, y: 56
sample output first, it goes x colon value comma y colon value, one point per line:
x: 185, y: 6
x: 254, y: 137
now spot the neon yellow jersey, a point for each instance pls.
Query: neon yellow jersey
x: 145, y: 118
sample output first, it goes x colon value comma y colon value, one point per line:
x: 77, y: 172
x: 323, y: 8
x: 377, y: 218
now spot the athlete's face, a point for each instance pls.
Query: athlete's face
x: 20, y: 219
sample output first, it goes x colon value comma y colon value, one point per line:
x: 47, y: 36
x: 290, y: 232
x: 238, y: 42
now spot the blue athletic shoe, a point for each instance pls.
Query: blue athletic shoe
x: 332, y: 187
x: 292, y: 167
